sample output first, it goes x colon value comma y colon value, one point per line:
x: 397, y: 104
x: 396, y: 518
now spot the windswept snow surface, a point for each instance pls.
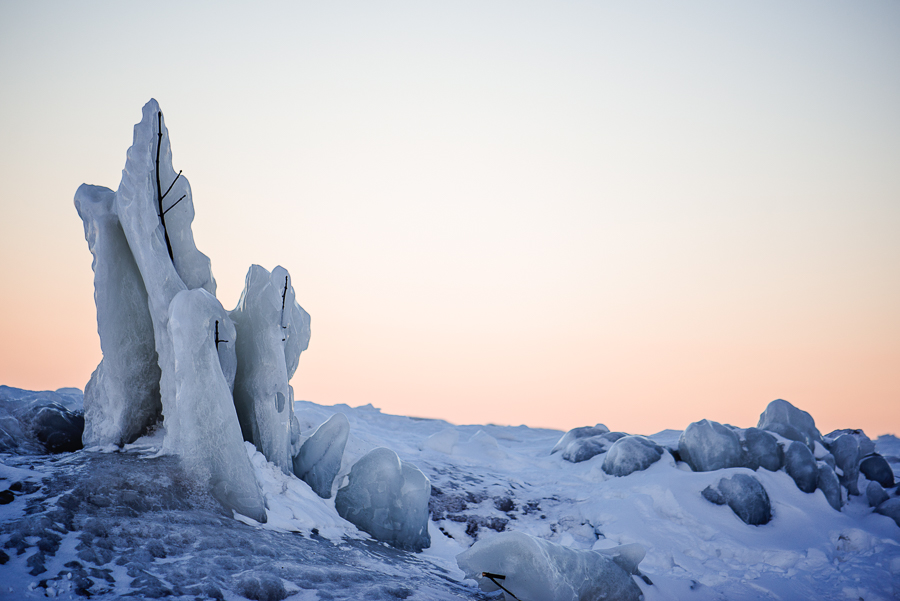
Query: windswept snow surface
x: 131, y: 522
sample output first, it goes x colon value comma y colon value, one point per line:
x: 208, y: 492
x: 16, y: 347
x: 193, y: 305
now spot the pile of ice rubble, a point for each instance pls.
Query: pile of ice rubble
x: 183, y: 378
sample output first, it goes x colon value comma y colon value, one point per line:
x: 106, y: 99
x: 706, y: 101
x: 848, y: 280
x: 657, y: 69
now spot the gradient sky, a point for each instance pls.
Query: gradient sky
x: 551, y: 213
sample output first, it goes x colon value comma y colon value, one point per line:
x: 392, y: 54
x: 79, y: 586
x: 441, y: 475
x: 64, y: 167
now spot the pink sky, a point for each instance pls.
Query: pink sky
x: 553, y: 215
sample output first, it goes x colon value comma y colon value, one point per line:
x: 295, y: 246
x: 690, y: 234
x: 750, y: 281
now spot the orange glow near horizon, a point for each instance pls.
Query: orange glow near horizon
x: 551, y: 215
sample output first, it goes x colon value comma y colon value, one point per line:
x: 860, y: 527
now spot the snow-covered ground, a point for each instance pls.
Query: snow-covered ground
x: 112, y: 523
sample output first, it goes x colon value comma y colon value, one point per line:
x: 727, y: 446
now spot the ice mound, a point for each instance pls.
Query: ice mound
x: 583, y: 449
x: 442, y: 442
x: 875, y: 494
x: 387, y: 498
x: 746, y: 497
x: 794, y: 424
x: 204, y: 424
x: 39, y: 422
x: 534, y: 569
x: 631, y: 454
x: 707, y: 446
x: 319, y: 459
x: 121, y: 400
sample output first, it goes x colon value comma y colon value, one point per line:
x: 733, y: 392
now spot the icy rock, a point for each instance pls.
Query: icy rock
x: 631, y: 454
x: 319, y: 460
x: 876, y: 468
x: 708, y: 446
x: 38, y: 422
x: 794, y: 424
x: 583, y: 449
x: 875, y: 494
x: 387, y: 498
x: 800, y: 465
x: 845, y: 450
x: 890, y: 508
x: 746, y: 497
x: 121, y: 400
x: 575, y: 434
x: 203, y: 425
x: 866, y: 446
x: 261, y: 393
x: 442, y: 442
x: 828, y: 483
x: 762, y: 450
x: 538, y: 570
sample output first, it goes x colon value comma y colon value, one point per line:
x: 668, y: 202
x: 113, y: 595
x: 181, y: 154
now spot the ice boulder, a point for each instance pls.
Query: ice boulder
x: 261, y: 393
x: 583, y: 449
x: 845, y: 450
x: 800, y: 465
x: 890, y: 508
x: 533, y: 569
x: 202, y: 425
x: 707, y: 446
x: 866, y: 446
x: 121, y: 400
x: 827, y: 482
x: 631, y: 454
x: 387, y: 498
x: 761, y: 450
x: 876, y: 468
x: 746, y: 497
x: 875, y: 494
x: 794, y: 424
x: 442, y: 442
x: 319, y: 459
x: 575, y: 434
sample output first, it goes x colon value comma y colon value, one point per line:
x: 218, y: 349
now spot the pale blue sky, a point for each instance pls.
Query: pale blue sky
x: 563, y: 213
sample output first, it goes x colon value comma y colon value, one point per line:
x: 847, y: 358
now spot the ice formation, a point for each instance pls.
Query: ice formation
x: 387, y: 498
x: 40, y: 422
x: 577, y: 433
x: 845, y: 450
x: 800, y: 465
x: 169, y: 348
x: 708, y: 446
x: 121, y: 400
x: 209, y: 436
x: 827, y: 482
x: 271, y: 329
x: 319, y: 459
x: 761, y: 450
x: 534, y: 569
x: 745, y: 496
x: 876, y: 468
x: 631, y: 454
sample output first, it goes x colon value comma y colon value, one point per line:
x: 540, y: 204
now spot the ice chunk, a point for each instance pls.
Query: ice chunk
x: 746, y: 497
x: 202, y: 424
x: 875, y: 494
x: 575, y: 434
x: 876, y: 468
x: 387, y: 498
x: 866, y: 446
x: 800, y: 465
x: 794, y: 424
x: 534, y: 569
x: 319, y: 460
x: 582, y: 449
x: 155, y: 209
x: 845, y: 450
x: 261, y: 393
x: 708, y: 446
x: 442, y: 442
x: 121, y: 400
x: 828, y: 483
x: 762, y: 450
x: 631, y: 454
x: 890, y: 508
